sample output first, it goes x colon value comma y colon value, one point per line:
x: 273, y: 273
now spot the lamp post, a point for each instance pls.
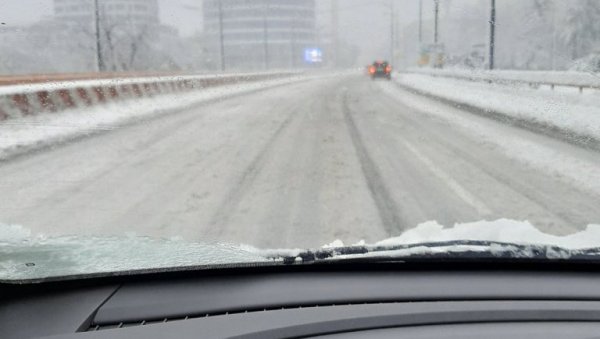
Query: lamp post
x: 420, y: 22
x: 436, y: 20
x: 335, y: 32
x: 266, y: 36
x: 99, y: 55
x: 221, y: 42
x: 492, y: 33
x: 392, y: 31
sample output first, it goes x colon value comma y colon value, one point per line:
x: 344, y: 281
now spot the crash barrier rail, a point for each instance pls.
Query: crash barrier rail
x: 552, y: 79
x: 6, y: 80
x: 54, y: 96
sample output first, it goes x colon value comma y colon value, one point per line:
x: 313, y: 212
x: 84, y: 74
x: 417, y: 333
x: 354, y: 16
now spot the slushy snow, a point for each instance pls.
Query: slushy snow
x: 568, y: 110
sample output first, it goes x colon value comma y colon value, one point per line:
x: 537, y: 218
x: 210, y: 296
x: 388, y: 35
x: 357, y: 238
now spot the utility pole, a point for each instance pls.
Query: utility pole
x: 392, y: 33
x: 335, y: 28
x: 553, y: 61
x: 99, y: 56
x: 435, y: 27
x: 221, y: 42
x: 293, y: 44
x: 420, y: 22
x: 266, y: 36
x: 492, y: 34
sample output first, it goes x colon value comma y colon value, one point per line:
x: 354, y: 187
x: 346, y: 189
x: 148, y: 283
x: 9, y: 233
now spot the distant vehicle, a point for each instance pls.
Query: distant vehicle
x: 380, y: 69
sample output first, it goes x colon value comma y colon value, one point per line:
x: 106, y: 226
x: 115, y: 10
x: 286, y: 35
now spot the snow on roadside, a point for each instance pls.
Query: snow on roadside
x: 104, y: 82
x: 578, y: 113
x: 33, y: 132
x: 564, y: 164
x: 560, y: 78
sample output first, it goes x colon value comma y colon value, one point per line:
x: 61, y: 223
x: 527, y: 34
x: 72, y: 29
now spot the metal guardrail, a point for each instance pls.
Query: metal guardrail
x: 551, y: 79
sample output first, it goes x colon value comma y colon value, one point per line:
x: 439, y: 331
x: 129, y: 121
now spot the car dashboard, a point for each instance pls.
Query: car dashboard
x: 317, y: 302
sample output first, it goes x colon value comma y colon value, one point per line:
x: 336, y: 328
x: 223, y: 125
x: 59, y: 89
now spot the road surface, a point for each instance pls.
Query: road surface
x: 294, y: 166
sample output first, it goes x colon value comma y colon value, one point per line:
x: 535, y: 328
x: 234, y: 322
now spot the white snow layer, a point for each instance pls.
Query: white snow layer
x: 32, y: 132
x: 559, y: 78
x: 562, y: 163
x: 569, y: 110
x: 70, y: 84
x: 502, y: 230
x: 25, y: 256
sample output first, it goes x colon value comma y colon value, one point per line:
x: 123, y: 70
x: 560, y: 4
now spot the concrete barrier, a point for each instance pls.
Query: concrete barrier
x: 50, y: 97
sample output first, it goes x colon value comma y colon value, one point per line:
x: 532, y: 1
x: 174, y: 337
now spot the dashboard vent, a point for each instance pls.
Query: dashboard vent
x: 99, y: 327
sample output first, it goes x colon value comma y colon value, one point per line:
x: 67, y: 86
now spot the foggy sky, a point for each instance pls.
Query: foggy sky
x: 182, y: 14
x: 363, y: 23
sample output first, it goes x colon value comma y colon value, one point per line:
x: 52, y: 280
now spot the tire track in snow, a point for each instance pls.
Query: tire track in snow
x: 391, y: 216
x: 241, y: 186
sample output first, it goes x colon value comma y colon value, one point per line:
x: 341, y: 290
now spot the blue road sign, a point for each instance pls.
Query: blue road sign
x: 313, y: 55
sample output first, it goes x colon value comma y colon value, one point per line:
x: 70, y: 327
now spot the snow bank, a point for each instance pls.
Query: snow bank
x: 17, y: 101
x: 570, y: 112
x: 558, y: 78
x: 33, y: 132
x: 572, y: 168
x: 108, y: 82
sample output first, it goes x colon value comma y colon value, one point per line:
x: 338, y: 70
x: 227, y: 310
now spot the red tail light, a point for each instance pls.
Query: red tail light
x: 372, y: 70
x: 388, y: 69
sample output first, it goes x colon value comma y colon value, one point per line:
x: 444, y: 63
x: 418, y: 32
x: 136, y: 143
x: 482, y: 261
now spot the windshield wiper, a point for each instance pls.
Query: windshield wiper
x: 455, y: 249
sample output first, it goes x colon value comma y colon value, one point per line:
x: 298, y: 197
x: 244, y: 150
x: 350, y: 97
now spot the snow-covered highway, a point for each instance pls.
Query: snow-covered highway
x: 300, y: 165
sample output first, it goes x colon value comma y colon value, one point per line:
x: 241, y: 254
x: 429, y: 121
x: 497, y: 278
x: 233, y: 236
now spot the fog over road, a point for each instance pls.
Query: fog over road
x: 299, y: 165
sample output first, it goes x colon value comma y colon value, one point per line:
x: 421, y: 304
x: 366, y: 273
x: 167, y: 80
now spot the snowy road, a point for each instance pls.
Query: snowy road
x: 302, y: 165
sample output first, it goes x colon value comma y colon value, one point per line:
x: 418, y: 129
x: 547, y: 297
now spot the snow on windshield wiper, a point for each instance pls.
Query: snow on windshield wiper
x: 456, y: 249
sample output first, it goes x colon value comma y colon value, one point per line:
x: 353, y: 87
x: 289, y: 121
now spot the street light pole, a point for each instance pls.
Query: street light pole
x: 221, y: 42
x: 492, y: 34
x: 266, y: 36
x: 435, y: 27
x: 335, y: 32
x: 420, y: 22
x: 553, y: 60
x: 293, y: 44
x: 392, y: 33
x: 99, y: 56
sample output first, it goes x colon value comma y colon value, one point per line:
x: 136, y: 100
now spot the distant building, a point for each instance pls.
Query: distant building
x: 136, y: 12
x: 259, y: 34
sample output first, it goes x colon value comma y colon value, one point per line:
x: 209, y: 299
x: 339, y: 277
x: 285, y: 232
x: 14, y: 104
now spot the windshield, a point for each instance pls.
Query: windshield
x: 155, y: 134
